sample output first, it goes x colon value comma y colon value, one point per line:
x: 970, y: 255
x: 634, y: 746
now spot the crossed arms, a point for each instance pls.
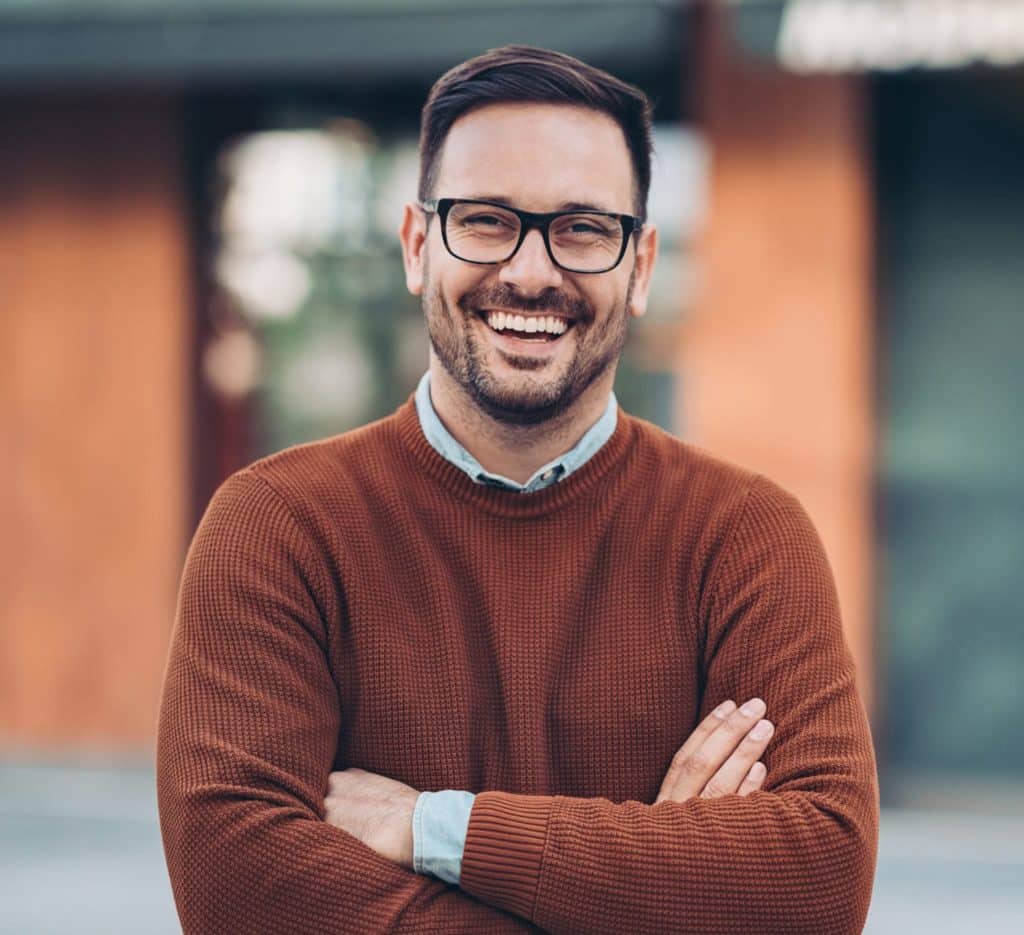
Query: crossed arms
x: 719, y: 758
x: 242, y: 802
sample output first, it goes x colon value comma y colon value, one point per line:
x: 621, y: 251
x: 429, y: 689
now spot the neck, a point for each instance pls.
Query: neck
x: 514, y: 451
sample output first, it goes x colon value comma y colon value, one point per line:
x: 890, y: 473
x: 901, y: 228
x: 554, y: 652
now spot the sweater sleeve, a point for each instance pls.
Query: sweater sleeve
x: 797, y: 856
x: 247, y: 734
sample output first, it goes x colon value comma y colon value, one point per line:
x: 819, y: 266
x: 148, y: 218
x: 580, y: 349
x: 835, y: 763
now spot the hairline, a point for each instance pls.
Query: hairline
x: 435, y: 170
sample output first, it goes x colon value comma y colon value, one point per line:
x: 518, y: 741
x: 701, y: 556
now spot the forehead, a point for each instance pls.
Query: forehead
x: 538, y: 157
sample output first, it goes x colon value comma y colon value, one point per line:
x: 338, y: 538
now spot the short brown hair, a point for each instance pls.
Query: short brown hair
x: 529, y: 74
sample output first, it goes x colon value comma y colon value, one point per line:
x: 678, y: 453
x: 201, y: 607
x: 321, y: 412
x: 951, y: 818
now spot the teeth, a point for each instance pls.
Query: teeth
x: 502, y: 321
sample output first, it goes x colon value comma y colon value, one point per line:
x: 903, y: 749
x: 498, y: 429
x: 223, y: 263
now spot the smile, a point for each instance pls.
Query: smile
x: 526, y: 327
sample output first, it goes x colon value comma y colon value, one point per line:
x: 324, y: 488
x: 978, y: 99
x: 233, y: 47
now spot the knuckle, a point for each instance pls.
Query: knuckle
x: 712, y: 791
x: 737, y: 724
x: 695, y: 765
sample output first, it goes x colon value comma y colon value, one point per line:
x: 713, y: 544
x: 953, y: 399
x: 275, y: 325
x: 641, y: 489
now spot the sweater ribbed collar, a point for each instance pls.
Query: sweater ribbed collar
x: 603, y: 471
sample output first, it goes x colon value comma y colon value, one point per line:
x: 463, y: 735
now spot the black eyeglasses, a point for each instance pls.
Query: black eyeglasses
x: 486, y: 232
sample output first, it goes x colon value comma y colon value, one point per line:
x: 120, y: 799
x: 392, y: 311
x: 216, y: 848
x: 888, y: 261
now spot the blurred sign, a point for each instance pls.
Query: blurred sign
x: 883, y: 35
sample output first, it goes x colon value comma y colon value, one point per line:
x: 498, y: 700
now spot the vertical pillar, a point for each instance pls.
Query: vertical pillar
x: 94, y: 396
x: 777, y: 357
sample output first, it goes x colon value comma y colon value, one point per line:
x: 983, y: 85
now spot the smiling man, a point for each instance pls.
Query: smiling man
x: 528, y: 312
x: 475, y: 667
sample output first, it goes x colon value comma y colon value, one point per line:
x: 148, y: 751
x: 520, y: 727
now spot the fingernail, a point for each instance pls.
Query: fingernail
x: 762, y: 729
x: 754, y: 706
x: 724, y: 709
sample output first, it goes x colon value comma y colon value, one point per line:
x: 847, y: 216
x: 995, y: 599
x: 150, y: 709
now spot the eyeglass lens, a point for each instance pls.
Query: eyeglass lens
x: 487, y: 234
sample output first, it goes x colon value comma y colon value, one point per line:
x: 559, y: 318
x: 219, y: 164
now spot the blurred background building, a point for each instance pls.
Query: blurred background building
x: 199, y: 265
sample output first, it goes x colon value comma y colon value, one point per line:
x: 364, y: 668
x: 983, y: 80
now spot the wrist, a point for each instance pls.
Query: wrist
x: 440, y: 822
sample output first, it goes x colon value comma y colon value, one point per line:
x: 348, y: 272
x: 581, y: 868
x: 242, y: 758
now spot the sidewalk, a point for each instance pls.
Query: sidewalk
x: 80, y: 852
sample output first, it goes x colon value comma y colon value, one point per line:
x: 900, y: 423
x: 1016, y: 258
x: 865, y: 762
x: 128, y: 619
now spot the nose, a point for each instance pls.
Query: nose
x: 531, y: 271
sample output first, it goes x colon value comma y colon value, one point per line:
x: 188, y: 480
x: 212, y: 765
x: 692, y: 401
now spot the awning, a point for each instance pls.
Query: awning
x: 203, y: 41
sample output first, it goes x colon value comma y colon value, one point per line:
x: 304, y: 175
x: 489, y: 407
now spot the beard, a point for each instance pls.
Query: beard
x: 526, y: 401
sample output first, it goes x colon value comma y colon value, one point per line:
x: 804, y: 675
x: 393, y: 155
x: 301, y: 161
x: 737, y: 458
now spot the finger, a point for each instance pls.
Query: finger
x: 696, y: 771
x: 735, y: 769
x: 754, y: 779
x: 707, y: 727
x: 703, y: 730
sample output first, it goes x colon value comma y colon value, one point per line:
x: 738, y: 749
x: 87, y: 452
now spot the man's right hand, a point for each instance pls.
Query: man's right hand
x: 721, y: 756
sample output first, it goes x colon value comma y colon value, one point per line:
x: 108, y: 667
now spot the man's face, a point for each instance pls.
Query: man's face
x: 538, y: 157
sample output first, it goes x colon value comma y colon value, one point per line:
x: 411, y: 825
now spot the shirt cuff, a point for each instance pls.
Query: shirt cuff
x: 439, y: 824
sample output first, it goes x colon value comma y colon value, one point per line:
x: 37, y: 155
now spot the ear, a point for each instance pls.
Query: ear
x: 413, y: 234
x: 646, y: 252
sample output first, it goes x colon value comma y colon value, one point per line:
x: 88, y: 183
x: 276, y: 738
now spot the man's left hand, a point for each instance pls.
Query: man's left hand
x: 375, y: 809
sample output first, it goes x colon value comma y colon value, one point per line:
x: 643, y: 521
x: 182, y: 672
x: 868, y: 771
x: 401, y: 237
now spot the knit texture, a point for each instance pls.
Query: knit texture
x: 360, y: 601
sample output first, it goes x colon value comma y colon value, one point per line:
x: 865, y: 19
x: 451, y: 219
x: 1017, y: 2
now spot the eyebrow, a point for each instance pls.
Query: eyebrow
x: 564, y: 206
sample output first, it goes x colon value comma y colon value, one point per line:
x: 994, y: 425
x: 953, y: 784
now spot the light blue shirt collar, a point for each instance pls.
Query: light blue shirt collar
x: 561, y: 467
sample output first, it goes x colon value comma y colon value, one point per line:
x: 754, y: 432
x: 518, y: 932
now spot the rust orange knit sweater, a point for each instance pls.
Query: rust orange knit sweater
x: 359, y: 601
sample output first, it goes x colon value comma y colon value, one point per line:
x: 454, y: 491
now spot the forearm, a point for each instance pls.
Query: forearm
x: 255, y: 864
x: 766, y: 862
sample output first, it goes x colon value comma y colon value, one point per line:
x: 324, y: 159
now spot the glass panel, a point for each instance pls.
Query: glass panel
x: 952, y: 484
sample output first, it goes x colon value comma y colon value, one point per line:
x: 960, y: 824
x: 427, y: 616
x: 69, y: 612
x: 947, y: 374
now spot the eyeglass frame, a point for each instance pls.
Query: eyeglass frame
x: 528, y: 220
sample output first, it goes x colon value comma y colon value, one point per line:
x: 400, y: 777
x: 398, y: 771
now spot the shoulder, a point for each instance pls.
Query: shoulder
x: 681, y: 468
x: 331, y: 474
x: 726, y: 500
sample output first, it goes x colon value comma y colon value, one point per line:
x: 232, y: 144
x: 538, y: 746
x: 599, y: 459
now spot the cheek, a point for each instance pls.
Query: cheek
x: 605, y: 303
x: 450, y: 279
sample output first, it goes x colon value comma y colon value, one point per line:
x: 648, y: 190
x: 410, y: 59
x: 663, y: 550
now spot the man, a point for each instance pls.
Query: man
x: 472, y: 667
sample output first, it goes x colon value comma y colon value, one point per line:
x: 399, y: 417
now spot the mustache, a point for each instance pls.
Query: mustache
x: 551, y: 301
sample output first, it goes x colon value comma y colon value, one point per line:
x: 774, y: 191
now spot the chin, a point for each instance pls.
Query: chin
x: 514, y: 403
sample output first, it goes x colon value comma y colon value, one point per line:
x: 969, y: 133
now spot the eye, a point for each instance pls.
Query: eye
x: 485, y: 220
x: 585, y: 227
x: 582, y: 227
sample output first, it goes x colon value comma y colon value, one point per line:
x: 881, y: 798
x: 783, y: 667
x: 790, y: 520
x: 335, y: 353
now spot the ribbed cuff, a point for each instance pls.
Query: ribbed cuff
x: 505, y: 848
